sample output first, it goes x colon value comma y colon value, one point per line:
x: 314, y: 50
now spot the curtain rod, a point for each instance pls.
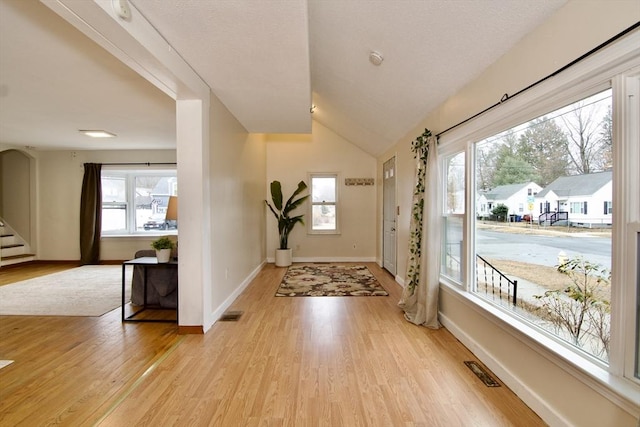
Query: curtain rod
x: 137, y: 164
x: 506, y: 96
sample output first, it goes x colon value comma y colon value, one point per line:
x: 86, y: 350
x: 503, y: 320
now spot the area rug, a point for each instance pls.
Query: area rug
x: 90, y: 290
x: 329, y: 280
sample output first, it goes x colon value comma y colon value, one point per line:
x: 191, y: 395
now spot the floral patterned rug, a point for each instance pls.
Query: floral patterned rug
x: 329, y: 280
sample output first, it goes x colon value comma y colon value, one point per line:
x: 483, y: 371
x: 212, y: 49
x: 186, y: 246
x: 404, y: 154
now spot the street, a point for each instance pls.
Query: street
x: 542, y: 249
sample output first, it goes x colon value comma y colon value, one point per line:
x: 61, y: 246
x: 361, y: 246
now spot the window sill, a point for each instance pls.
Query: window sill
x: 619, y: 390
x: 324, y: 232
x: 140, y: 235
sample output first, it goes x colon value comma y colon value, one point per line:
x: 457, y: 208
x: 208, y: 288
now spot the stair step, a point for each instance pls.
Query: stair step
x: 18, y: 256
x: 14, y: 245
x: 6, y: 235
x: 16, y: 259
x: 12, y: 249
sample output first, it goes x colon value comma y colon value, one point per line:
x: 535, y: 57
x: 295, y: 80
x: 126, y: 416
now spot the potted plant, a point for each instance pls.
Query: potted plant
x: 163, y: 247
x: 285, y: 222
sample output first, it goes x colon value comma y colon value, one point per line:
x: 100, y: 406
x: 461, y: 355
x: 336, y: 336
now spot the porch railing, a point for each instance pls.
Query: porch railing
x: 553, y: 217
x: 494, y: 282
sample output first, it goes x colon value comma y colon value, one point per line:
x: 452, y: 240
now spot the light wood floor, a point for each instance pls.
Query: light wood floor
x: 330, y: 361
x: 17, y: 272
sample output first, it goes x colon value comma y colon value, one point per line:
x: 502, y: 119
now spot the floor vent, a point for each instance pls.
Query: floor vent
x: 481, y: 373
x: 231, y: 316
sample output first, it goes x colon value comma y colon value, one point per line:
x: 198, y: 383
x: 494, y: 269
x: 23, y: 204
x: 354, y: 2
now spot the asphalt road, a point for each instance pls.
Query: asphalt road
x: 542, y: 249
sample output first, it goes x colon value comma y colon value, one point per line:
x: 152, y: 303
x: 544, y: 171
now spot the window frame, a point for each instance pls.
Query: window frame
x: 336, y: 203
x: 607, y: 68
x: 130, y: 175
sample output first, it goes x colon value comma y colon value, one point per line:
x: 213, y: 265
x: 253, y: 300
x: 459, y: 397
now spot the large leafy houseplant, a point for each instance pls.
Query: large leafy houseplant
x: 282, y: 212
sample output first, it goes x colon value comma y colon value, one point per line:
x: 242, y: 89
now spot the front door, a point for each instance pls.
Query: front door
x: 389, y: 216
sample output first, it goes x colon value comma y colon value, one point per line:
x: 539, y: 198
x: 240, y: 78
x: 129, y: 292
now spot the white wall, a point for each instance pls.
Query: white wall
x: 551, y: 390
x: 237, y: 183
x: 289, y: 159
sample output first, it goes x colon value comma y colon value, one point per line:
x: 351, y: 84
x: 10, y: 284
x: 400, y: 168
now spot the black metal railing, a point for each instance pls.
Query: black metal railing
x: 553, y: 217
x: 494, y: 281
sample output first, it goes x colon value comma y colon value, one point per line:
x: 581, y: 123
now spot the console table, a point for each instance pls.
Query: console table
x: 146, y: 263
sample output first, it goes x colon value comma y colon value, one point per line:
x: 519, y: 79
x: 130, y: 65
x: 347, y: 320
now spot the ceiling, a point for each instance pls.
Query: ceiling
x: 267, y: 61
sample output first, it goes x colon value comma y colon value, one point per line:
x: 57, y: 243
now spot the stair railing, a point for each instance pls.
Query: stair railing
x: 494, y: 281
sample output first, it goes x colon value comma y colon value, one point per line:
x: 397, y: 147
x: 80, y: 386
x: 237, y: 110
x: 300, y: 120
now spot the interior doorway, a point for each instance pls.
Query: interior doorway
x: 389, y: 216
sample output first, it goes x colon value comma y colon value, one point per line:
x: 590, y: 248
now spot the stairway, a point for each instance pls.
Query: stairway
x: 13, y: 249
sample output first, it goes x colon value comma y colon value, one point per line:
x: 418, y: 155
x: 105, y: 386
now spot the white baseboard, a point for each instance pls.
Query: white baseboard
x: 218, y: 312
x: 532, y: 399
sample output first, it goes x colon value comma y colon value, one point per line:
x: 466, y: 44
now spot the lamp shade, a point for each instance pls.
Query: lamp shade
x: 172, y: 209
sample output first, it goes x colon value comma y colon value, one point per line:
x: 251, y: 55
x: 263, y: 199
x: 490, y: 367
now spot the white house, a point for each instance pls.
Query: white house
x: 586, y: 198
x: 516, y: 197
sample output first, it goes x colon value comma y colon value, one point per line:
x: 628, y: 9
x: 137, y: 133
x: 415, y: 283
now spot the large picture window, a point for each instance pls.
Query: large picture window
x: 553, y: 190
x: 136, y: 201
x: 559, y: 262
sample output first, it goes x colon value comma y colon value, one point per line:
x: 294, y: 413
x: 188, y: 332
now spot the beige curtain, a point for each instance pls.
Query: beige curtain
x: 420, y: 296
x: 90, y: 214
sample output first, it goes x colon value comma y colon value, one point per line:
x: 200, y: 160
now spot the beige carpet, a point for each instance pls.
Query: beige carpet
x: 90, y: 290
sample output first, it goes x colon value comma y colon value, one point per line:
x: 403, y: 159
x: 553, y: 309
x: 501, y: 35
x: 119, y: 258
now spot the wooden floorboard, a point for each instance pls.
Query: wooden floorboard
x: 289, y: 361
x: 17, y: 272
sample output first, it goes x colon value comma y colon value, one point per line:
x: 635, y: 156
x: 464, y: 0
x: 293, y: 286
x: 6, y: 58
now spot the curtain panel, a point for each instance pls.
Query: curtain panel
x: 90, y: 214
x: 420, y: 296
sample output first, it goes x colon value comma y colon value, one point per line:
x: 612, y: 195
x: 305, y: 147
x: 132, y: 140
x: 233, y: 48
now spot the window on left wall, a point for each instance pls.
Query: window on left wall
x: 135, y: 201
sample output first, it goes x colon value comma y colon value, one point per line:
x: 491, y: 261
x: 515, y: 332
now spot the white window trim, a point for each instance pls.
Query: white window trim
x: 335, y: 175
x: 598, y: 72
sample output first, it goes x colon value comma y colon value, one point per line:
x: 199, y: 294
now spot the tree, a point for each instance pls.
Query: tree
x: 544, y: 146
x: 491, y: 155
x: 586, y: 138
x: 514, y: 171
x: 485, y: 165
x: 500, y: 211
x: 606, y: 134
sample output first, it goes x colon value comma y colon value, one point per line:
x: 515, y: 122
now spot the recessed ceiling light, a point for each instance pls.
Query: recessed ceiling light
x: 95, y: 133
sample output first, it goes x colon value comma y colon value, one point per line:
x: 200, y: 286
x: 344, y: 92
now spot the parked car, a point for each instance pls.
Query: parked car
x: 158, y: 222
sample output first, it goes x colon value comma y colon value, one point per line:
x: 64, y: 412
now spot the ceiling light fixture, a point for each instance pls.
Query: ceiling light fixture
x: 96, y: 133
x: 375, y: 58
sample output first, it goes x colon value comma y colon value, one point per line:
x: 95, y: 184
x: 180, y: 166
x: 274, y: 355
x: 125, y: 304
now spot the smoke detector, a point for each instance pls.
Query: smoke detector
x: 375, y: 58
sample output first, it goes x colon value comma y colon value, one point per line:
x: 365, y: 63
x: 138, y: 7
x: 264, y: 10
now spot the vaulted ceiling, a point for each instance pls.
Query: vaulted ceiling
x: 267, y: 61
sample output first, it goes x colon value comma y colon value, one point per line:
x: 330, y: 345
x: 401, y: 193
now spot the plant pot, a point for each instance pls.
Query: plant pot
x: 163, y: 255
x: 283, y: 257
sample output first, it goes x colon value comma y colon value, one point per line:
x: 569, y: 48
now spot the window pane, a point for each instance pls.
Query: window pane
x: 323, y: 190
x: 114, y: 217
x: 556, y: 257
x: 455, y: 184
x: 452, y: 259
x: 114, y: 203
x: 114, y: 189
x: 324, y: 217
x: 151, y: 199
